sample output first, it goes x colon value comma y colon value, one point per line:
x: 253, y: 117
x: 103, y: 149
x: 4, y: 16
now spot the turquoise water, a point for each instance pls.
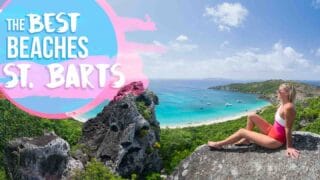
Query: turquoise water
x: 190, y: 101
x: 182, y: 102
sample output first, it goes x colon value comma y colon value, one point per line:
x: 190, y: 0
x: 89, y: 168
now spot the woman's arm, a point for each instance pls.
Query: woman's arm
x: 290, y: 114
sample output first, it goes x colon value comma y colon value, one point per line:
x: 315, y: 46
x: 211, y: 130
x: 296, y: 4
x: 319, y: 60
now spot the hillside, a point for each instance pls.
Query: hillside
x: 267, y: 89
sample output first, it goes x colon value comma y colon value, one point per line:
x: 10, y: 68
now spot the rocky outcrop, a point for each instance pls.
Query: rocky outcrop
x: 125, y: 135
x: 45, y: 157
x: 253, y: 162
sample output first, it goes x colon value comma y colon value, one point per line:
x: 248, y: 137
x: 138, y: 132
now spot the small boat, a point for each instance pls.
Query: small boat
x: 239, y: 101
x: 208, y: 103
x: 228, y: 104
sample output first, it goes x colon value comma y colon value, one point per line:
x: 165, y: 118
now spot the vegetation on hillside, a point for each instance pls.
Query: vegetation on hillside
x: 95, y: 170
x: 310, y: 114
x: 267, y: 89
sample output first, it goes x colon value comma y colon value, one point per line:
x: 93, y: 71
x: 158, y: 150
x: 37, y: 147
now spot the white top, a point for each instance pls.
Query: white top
x: 279, y: 119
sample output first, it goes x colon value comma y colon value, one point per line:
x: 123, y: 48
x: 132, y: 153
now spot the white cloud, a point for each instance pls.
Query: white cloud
x: 317, y: 53
x: 157, y: 43
x: 316, y: 4
x: 182, y: 47
x: 279, y: 62
x: 227, y: 15
x: 224, y: 44
x: 182, y: 38
x: 178, y: 45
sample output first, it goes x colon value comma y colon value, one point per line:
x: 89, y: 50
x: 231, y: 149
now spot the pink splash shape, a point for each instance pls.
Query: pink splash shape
x: 128, y: 57
x: 3, y: 5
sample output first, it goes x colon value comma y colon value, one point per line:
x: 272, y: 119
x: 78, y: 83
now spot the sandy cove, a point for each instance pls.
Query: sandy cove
x: 214, y: 121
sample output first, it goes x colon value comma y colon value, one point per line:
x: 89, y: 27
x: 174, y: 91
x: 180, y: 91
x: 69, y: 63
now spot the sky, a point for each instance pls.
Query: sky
x: 244, y: 40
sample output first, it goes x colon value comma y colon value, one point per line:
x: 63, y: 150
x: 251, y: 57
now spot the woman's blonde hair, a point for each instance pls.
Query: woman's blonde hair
x: 291, y: 90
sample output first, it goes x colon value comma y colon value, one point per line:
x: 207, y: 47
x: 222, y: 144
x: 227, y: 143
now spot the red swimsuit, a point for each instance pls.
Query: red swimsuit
x: 277, y: 131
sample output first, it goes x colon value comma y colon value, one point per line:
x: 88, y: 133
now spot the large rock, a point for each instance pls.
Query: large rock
x: 253, y: 162
x: 125, y: 135
x: 45, y: 157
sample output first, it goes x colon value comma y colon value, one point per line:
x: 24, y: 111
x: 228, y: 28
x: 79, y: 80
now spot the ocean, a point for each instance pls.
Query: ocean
x: 185, y: 102
x: 182, y: 102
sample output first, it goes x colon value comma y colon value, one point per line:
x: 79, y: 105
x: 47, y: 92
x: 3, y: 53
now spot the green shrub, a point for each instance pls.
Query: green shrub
x: 153, y: 176
x: 70, y: 130
x: 81, y: 147
x: 157, y: 145
x: 95, y: 170
x: 313, y: 127
x: 149, y: 176
x: 144, y: 110
x: 143, y: 132
x: 134, y: 177
x: 3, y: 175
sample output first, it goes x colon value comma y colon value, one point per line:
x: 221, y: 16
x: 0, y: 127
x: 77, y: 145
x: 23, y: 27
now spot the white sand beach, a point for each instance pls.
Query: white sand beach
x: 212, y: 121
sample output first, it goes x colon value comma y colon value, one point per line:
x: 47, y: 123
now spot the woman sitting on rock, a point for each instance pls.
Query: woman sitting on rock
x: 271, y: 136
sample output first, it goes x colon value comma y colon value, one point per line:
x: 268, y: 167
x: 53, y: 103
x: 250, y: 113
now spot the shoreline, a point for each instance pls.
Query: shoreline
x: 214, y: 121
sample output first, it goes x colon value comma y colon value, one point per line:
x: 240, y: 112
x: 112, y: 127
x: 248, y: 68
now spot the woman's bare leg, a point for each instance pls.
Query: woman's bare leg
x: 255, y: 120
x: 260, y: 139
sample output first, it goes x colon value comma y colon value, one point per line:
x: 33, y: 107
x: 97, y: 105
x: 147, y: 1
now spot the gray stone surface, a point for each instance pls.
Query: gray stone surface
x: 253, y: 162
x: 44, y: 157
x: 122, y: 138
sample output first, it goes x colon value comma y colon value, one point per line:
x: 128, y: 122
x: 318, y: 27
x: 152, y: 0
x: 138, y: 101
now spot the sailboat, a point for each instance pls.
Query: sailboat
x: 228, y: 104
x: 239, y: 101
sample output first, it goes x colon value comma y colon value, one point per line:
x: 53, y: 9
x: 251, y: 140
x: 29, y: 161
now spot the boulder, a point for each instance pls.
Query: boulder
x: 253, y: 162
x: 125, y: 135
x: 44, y: 157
